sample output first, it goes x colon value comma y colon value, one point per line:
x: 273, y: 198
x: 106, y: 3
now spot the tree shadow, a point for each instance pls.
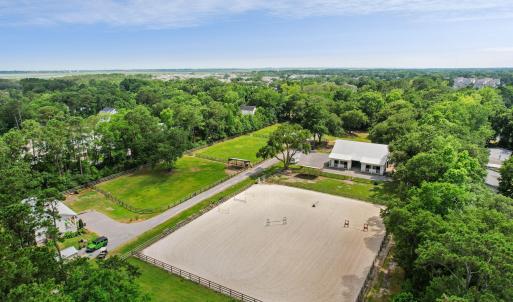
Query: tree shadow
x: 306, y: 176
x: 351, y: 285
x: 385, y: 191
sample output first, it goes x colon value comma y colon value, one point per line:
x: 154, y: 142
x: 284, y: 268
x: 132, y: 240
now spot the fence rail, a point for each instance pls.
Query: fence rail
x: 373, y: 271
x: 251, y: 132
x: 197, y: 279
x: 92, y: 184
x: 100, y: 180
x: 118, y: 201
x: 180, y: 224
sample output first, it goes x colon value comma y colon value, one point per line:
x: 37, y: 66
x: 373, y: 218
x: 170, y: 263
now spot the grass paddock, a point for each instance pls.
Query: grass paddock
x: 91, y: 200
x: 159, y: 187
x: 162, y: 286
x: 245, y: 146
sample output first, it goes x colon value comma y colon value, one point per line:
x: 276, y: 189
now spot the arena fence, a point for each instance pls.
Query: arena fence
x: 180, y: 224
x: 197, y: 279
x: 384, y: 249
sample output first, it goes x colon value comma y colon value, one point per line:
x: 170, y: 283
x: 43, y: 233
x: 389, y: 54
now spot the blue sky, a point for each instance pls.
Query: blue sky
x: 125, y: 34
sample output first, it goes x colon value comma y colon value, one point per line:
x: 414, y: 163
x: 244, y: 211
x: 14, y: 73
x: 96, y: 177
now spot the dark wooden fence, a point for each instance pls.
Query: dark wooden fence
x: 170, y: 230
x: 197, y: 279
x: 92, y: 184
x: 190, y: 151
x: 224, y: 160
x: 160, y: 209
x: 100, y: 180
x: 119, y: 202
x: 374, y: 270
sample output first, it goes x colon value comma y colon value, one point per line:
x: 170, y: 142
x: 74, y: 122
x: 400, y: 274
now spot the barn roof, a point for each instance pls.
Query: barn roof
x: 369, y: 153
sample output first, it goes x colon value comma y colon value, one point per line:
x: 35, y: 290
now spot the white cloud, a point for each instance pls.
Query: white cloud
x: 182, y: 13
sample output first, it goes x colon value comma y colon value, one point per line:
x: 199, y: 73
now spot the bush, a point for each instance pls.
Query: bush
x: 69, y: 235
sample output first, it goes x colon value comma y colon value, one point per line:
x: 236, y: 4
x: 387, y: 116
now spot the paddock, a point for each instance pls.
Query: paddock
x: 278, y: 243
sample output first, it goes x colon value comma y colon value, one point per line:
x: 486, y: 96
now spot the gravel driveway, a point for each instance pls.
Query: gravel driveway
x: 120, y: 233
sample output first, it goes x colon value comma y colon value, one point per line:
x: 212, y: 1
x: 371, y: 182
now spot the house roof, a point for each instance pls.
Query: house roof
x: 109, y: 110
x: 369, y: 153
x: 247, y: 108
x: 64, y: 210
x: 69, y: 252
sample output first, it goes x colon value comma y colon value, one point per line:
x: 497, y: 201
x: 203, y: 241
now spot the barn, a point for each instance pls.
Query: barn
x: 360, y: 156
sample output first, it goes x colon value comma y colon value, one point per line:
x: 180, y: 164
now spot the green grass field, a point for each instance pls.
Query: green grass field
x: 92, y: 200
x: 160, y: 188
x: 266, y: 131
x: 162, y: 286
x: 244, y: 147
x: 355, y: 136
x: 88, y: 235
x: 362, y: 190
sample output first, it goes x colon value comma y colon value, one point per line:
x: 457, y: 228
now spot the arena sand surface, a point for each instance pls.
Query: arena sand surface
x: 311, y: 258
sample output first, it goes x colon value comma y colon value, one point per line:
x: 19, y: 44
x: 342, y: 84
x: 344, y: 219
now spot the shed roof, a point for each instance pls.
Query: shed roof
x: 69, y: 252
x: 369, y: 153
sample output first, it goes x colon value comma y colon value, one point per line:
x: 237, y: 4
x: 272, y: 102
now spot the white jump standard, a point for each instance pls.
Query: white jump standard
x: 269, y: 222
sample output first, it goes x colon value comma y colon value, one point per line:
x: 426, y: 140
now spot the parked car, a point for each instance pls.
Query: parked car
x: 103, y: 253
x: 97, y: 244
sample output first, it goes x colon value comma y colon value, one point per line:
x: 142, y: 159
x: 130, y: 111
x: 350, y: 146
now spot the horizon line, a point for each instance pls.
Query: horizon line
x: 244, y: 69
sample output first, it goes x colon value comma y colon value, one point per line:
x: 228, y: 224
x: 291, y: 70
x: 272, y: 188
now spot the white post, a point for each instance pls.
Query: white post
x: 349, y: 164
x: 362, y: 168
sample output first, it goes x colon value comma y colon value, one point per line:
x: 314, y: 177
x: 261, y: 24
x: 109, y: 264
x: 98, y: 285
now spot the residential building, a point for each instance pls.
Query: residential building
x: 462, y: 82
x: 247, y: 110
x: 105, y: 113
x: 66, y: 222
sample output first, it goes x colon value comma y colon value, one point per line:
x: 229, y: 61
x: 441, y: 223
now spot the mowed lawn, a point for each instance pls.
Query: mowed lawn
x: 159, y: 188
x: 244, y: 147
x: 162, y: 286
x: 266, y: 131
x: 92, y: 200
x: 357, y: 189
x: 355, y: 136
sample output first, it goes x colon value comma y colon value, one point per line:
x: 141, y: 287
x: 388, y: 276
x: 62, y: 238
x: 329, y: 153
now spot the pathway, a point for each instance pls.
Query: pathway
x: 120, y: 233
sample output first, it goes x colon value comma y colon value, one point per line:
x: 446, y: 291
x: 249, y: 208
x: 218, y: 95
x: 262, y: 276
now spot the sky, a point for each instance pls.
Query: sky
x: 160, y: 34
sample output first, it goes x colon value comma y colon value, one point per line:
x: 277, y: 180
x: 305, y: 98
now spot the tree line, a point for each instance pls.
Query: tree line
x: 453, y: 235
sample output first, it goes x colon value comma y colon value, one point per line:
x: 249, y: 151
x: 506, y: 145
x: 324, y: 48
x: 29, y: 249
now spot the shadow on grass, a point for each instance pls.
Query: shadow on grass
x: 306, y: 176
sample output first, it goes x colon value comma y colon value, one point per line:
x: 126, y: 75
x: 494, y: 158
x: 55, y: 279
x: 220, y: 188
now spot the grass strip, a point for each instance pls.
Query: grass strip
x: 163, y: 286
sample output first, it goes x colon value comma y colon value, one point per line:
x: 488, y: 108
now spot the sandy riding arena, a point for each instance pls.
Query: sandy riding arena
x: 271, y: 243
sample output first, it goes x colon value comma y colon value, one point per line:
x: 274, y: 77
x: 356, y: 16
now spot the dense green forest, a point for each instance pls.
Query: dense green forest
x: 454, y: 235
